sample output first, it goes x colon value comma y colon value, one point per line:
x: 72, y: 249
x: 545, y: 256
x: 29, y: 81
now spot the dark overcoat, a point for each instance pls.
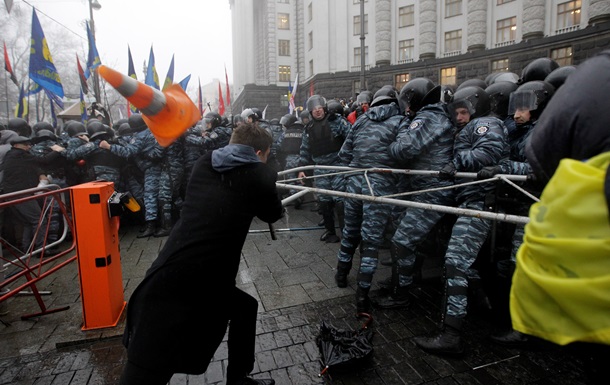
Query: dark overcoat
x: 177, y: 316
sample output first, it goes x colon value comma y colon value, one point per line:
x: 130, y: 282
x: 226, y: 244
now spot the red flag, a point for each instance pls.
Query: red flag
x: 311, y: 90
x: 81, y: 75
x: 200, y: 100
x: 227, y: 85
x: 221, y: 103
x: 7, y: 66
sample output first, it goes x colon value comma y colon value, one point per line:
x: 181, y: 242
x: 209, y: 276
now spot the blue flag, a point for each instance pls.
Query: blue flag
x: 185, y: 82
x: 152, y: 79
x: 169, y: 79
x: 93, y: 60
x: 42, y: 69
x: 22, y: 105
x: 131, y: 72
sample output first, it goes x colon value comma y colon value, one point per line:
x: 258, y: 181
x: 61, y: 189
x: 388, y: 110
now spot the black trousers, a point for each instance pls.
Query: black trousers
x: 242, y: 334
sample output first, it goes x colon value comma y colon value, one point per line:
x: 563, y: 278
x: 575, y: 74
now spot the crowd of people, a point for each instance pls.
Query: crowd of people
x: 480, y: 126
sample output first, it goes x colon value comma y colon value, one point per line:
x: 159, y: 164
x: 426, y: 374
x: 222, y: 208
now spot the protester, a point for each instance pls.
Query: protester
x: 178, y: 315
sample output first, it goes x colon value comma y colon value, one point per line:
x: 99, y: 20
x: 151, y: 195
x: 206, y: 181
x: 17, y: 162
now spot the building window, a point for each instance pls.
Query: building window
x: 406, y: 16
x: 310, y: 11
x: 568, y: 14
x: 400, y: 80
x: 500, y: 2
x: 448, y: 75
x: 453, y: 8
x: 357, y: 57
x: 310, y: 39
x: 453, y: 41
x: 284, y: 72
x: 563, y: 56
x: 283, y: 21
x: 506, y: 30
x: 311, y: 67
x: 500, y: 65
x: 283, y: 47
x: 284, y: 101
x: 357, y: 24
x: 405, y: 51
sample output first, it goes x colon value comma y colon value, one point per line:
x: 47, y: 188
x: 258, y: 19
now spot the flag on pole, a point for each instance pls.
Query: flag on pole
x: 152, y: 79
x: 265, y: 111
x: 8, y: 67
x: 169, y: 79
x: 83, y: 109
x: 227, y: 85
x: 131, y: 72
x: 221, y: 103
x: 311, y: 90
x: 93, y: 59
x: 81, y: 75
x: 42, y: 70
x: 53, y: 115
x: 185, y: 82
x: 291, y: 92
x: 21, y: 111
x: 200, y: 100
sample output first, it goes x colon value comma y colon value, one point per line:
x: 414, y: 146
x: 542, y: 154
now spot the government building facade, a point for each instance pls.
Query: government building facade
x: 448, y: 41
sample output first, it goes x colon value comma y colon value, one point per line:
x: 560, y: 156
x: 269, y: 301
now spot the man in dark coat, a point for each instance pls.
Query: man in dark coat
x: 178, y: 315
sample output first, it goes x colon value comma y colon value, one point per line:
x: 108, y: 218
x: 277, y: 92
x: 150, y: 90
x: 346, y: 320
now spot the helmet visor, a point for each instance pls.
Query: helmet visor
x: 522, y: 100
x: 462, y: 103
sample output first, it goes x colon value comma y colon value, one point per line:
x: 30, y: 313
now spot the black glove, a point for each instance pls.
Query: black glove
x: 488, y: 172
x: 447, y: 172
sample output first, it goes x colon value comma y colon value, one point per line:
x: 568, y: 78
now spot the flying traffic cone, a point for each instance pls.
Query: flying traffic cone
x: 168, y: 114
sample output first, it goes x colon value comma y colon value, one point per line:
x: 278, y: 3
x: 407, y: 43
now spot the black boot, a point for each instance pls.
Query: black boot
x: 329, y: 236
x: 149, y: 230
x: 512, y: 339
x: 448, y: 341
x: 398, y: 298
x: 343, y: 269
x: 363, y: 302
x: 166, y: 220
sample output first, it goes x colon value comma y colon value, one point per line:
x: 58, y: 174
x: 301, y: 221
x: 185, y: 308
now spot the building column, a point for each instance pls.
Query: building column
x: 599, y: 11
x: 427, y: 29
x: 383, y: 32
x: 533, y: 19
x: 477, y: 25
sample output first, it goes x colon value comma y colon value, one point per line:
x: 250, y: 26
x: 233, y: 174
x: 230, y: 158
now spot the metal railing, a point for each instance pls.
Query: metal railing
x: 23, y: 267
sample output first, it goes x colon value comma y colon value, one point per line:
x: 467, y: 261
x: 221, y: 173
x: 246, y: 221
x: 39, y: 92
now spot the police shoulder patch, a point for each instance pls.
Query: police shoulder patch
x: 415, y: 125
x: 482, y: 129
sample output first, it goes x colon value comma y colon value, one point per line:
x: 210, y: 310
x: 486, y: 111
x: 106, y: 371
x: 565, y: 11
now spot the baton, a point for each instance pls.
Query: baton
x: 272, y: 232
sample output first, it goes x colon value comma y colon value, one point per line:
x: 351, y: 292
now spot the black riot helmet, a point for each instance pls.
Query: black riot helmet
x: 44, y: 134
x: 474, y: 99
x: 288, y: 120
x: 334, y: 107
x: 137, y: 123
x: 559, y: 76
x: 505, y: 77
x: 42, y: 126
x: 472, y: 82
x: 75, y: 129
x: 20, y: 126
x: 124, y: 130
x: 258, y: 112
x: 538, y: 69
x: 237, y: 120
x: 213, y: 119
x: 499, y: 95
x: 117, y: 124
x: 317, y: 101
x: 305, y: 115
x: 532, y: 96
x: 385, y: 95
x: 94, y: 126
x: 418, y: 93
x: 364, y: 97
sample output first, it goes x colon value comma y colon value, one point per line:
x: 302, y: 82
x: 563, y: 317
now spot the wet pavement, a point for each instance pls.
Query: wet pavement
x: 293, y: 279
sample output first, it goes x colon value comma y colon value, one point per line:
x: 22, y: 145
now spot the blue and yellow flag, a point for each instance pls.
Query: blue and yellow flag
x: 169, y: 79
x: 152, y: 79
x: 42, y: 69
x: 21, y: 111
x: 93, y: 60
x: 83, y: 109
x: 185, y: 82
x: 131, y: 72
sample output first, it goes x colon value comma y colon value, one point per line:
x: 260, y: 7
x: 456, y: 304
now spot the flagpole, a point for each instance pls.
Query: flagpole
x: 6, y: 91
x: 96, y: 78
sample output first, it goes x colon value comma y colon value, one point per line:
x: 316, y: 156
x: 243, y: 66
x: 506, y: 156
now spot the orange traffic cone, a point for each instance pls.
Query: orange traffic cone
x: 168, y: 114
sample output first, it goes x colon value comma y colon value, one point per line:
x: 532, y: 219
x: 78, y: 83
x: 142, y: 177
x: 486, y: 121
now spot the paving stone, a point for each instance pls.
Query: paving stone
x: 282, y: 357
x: 265, y: 361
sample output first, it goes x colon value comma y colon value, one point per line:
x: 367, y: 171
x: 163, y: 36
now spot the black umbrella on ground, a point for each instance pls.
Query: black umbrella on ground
x: 341, y: 347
